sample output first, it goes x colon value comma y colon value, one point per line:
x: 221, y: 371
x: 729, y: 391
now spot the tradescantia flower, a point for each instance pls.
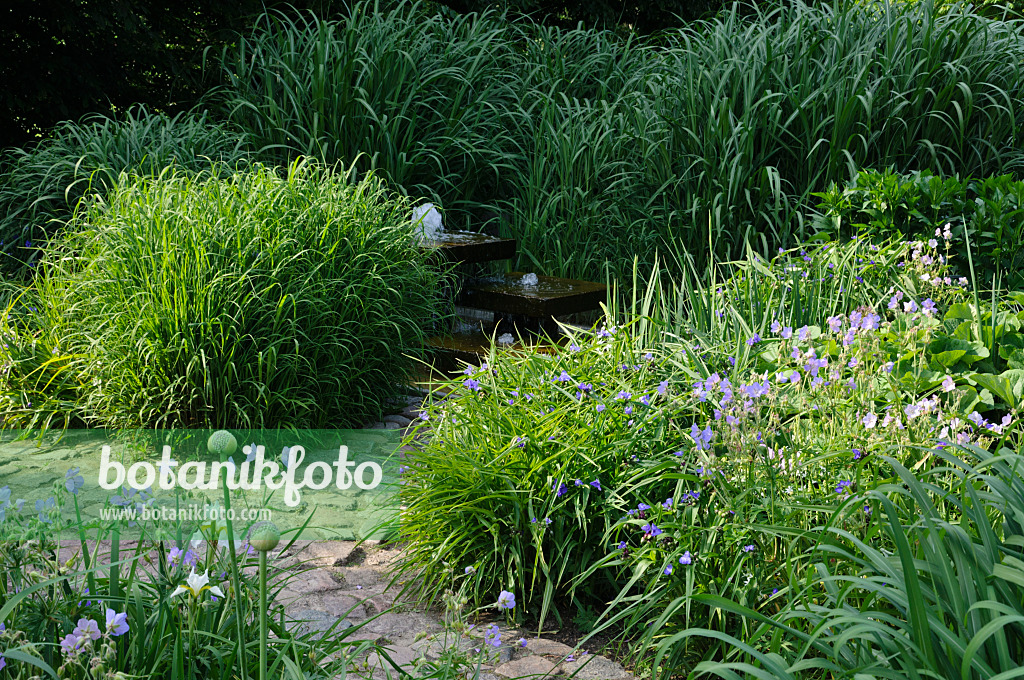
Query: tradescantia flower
x: 196, y: 584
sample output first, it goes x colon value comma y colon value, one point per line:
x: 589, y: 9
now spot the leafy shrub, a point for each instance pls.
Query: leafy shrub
x: 591, y: 148
x: 254, y: 300
x: 987, y: 214
x: 41, y: 186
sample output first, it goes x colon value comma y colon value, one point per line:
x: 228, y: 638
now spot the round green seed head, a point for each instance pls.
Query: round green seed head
x: 222, y: 443
x: 264, y: 536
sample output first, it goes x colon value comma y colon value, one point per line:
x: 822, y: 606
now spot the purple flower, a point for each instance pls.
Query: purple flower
x: 686, y: 558
x: 600, y: 407
x: 668, y: 570
x: 559, y: 488
x: 869, y: 420
x: 472, y: 569
x: 651, y: 530
x: 506, y: 600
x: 596, y: 484
x: 563, y: 377
x: 73, y: 481
x: 471, y: 384
x: 623, y: 396
x: 754, y: 340
x: 622, y: 545
x: 71, y: 644
x: 667, y: 504
x: 749, y: 548
x: 87, y: 628
x: 843, y: 487
x: 663, y: 387
x: 117, y: 624
x: 578, y: 482
x: 493, y: 636
x: 522, y: 642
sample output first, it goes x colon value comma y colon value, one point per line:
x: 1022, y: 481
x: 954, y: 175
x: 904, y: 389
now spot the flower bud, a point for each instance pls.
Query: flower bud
x: 222, y: 443
x: 264, y: 536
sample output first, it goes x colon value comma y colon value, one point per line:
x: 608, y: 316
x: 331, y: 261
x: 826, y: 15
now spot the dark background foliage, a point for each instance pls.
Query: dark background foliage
x: 66, y: 58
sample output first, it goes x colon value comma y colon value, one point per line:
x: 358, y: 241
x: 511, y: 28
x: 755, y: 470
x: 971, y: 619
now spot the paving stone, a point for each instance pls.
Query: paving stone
x: 318, y: 622
x: 548, y: 647
x: 592, y: 667
x: 317, y: 581
x: 394, y: 625
x: 327, y: 553
x: 399, y: 654
x: 401, y: 421
x: 360, y: 576
x: 521, y: 668
x: 342, y: 603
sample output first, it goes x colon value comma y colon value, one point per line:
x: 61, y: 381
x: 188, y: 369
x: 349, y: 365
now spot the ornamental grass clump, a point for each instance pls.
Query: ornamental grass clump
x: 41, y: 186
x: 259, y: 300
x: 591, y: 148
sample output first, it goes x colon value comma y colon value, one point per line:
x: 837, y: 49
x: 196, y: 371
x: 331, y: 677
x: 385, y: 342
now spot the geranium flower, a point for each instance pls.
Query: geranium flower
x: 493, y: 636
x: 117, y: 624
x: 506, y: 600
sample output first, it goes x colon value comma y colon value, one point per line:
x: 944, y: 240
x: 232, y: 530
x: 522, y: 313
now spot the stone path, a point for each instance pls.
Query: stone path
x: 342, y: 581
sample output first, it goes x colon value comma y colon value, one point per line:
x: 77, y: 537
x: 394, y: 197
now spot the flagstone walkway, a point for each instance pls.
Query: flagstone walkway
x: 337, y: 579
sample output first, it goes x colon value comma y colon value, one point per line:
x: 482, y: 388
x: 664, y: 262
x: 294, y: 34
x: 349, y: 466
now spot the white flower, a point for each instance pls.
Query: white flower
x: 196, y: 584
x: 948, y: 385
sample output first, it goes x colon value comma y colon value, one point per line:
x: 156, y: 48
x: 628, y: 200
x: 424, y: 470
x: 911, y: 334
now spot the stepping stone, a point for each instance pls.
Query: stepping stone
x: 468, y: 246
x: 550, y: 296
x: 527, y: 666
x: 592, y: 667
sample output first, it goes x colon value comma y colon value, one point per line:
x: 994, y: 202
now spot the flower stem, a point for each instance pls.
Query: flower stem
x: 263, y: 615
